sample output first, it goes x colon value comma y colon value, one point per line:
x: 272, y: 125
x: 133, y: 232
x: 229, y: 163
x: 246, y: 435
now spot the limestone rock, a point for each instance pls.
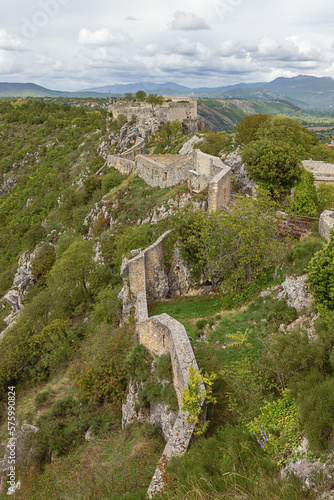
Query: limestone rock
x: 165, y: 418
x: 141, y: 128
x: 188, y: 146
x: 131, y: 410
x: 296, y: 292
x: 179, y: 277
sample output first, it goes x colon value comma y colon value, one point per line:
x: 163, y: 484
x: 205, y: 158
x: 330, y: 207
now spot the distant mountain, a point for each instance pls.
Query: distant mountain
x: 303, y: 91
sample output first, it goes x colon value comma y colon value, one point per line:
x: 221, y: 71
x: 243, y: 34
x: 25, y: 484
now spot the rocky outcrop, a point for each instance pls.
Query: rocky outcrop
x: 21, y: 446
x: 158, y: 413
x: 179, y: 277
x: 140, y: 128
x: 23, y: 280
x: 188, y: 146
x: 242, y: 182
x: 296, y: 293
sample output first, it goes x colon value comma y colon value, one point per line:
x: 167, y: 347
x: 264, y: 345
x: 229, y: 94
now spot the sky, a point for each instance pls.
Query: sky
x: 78, y: 44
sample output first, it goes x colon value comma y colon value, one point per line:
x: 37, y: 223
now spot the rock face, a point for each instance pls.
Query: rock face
x: 242, y: 181
x: 179, y: 277
x: 22, y: 282
x: 22, y: 445
x: 158, y: 413
x: 296, y: 293
x: 141, y: 128
x: 188, y: 146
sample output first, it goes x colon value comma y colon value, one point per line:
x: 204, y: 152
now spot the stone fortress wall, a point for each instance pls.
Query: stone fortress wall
x: 160, y: 334
x: 198, y: 169
x: 182, y: 109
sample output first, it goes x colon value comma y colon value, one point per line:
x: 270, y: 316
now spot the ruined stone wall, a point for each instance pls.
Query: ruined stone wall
x: 137, y: 149
x: 161, y: 334
x: 220, y: 190
x: 123, y: 165
x: 326, y: 223
x: 167, y: 112
x: 157, y: 174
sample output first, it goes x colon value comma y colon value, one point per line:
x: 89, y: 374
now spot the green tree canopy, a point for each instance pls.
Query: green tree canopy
x: 289, y: 131
x: 140, y: 95
x: 155, y: 99
x: 248, y: 127
x: 232, y: 248
x: 273, y: 165
x: 73, y: 276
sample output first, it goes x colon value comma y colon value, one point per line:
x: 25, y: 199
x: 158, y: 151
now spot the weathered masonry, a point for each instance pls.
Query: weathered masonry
x: 198, y: 169
x: 161, y: 334
x: 182, y: 109
x: 326, y: 223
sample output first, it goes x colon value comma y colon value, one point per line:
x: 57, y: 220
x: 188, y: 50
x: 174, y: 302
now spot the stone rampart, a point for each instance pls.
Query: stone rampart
x: 220, y: 190
x: 326, y: 223
x: 161, y: 334
x: 123, y: 165
x: 182, y: 109
x: 137, y: 149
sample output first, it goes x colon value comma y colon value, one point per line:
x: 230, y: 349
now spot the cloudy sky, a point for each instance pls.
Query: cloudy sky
x: 76, y: 44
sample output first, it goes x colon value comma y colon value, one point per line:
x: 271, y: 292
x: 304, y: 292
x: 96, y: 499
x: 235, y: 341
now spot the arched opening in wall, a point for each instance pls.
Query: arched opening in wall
x: 164, y: 176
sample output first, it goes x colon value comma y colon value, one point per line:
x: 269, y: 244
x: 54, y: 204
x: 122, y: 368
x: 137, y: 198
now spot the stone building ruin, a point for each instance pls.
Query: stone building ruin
x: 198, y: 169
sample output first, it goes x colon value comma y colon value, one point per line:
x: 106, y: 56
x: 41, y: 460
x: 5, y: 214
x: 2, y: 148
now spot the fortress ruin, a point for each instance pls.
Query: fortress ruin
x: 182, y: 109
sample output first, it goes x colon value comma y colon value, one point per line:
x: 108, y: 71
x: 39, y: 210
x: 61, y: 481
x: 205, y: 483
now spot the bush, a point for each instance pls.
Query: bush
x: 139, y: 362
x: 305, y: 198
x: 42, y: 263
x: 316, y: 408
x: 201, y: 324
x: 112, y: 179
x: 164, y: 367
x: 320, y: 275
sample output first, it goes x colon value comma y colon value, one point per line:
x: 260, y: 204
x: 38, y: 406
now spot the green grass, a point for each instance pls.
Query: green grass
x: 188, y: 307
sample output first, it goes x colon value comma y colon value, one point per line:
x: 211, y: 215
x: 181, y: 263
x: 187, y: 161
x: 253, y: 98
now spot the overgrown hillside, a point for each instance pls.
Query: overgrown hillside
x: 69, y: 348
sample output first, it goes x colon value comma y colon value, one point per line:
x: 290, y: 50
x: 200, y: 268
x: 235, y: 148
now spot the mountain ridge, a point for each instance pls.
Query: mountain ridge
x: 304, y: 91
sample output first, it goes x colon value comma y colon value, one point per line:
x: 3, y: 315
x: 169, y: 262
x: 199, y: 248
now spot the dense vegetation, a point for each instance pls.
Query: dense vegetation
x: 69, y: 357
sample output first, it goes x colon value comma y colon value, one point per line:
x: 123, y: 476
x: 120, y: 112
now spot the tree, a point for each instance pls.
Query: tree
x: 72, y: 276
x: 273, y: 165
x: 140, y: 95
x: 248, y: 127
x: 320, y: 275
x: 231, y: 249
x: 155, y: 99
x: 284, y: 129
x: 128, y: 96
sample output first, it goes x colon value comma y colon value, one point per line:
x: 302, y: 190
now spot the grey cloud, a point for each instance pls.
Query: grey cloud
x: 188, y: 21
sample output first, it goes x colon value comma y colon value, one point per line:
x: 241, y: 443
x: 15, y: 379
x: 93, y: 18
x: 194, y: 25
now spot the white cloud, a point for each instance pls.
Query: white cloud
x: 103, y: 37
x: 188, y: 21
x: 10, y: 42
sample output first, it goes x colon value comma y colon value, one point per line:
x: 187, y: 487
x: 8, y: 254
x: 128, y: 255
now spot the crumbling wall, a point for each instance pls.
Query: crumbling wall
x: 123, y: 165
x: 220, y: 190
x: 326, y: 222
x: 161, y: 334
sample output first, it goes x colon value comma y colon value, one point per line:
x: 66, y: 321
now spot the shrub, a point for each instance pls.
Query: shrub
x: 164, y: 367
x: 42, y: 263
x: 139, y: 362
x: 201, y: 324
x: 316, y: 408
x: 111, y: 180
x: 305, y: 198
x: 320, y: 275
